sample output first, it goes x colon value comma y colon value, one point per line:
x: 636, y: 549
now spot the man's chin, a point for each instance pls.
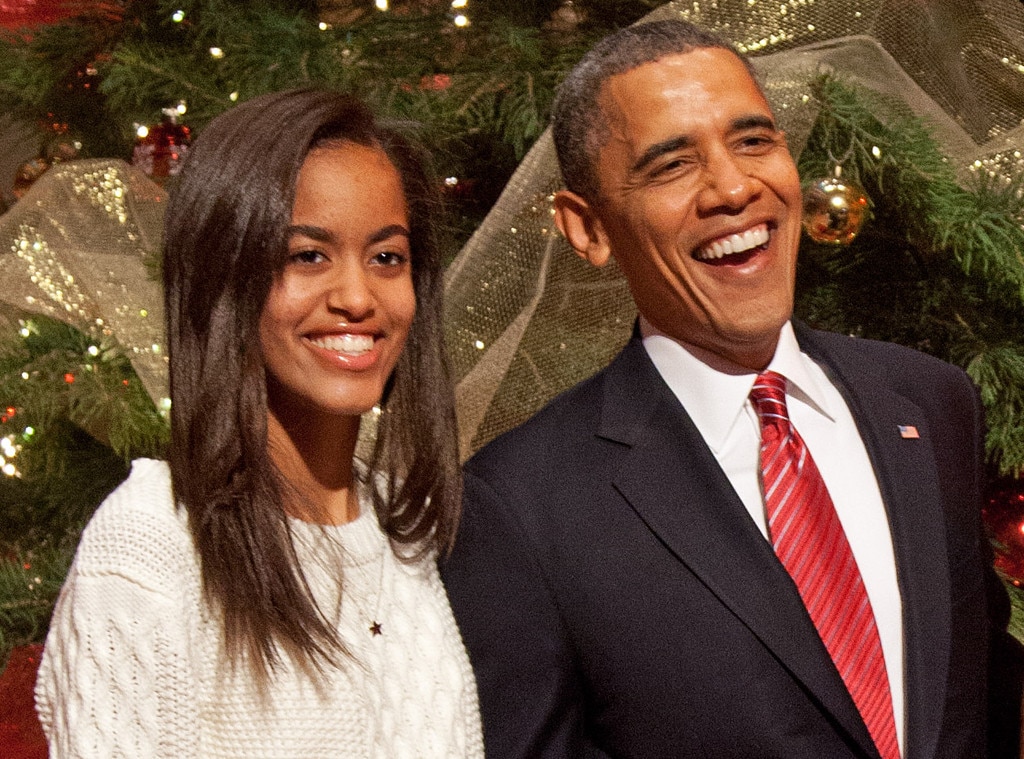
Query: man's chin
x: 747, y: 349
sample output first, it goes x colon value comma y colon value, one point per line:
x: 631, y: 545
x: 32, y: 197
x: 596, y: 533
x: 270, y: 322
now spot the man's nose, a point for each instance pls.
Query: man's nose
x: 727, y: 182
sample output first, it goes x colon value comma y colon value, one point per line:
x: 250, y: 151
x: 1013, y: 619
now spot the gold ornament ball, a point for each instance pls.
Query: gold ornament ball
x: 835, y: 210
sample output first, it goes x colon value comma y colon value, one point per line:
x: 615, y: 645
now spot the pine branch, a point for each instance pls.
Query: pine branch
x: 50, y: 371
x: 29, y: 585
x: 937, y: 268
x: 999, y: 373
x: 1016, y: 626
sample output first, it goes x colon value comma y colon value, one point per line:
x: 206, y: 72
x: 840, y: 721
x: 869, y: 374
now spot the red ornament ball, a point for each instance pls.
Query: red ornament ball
x: 28, y: 173
x: 163, y: 148
x: 62, y: 148
x: 20, y: 733
x: 17, y: 14
x: 1004, y: 519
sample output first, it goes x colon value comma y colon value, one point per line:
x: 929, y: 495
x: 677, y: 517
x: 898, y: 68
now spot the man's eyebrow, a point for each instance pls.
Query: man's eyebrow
x: 658, y: 149
x: 682, y: 142
x: 757, y: 121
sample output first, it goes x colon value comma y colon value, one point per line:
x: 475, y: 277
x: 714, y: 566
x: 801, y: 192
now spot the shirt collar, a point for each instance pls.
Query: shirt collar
x: 714, y: 391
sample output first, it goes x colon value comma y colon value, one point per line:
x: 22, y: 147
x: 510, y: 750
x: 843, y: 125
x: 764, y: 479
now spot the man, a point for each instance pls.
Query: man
x: 622, y: 577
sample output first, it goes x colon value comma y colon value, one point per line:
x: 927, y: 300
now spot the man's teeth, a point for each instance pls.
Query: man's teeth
x: 345, y: 343
x: 737, y: 243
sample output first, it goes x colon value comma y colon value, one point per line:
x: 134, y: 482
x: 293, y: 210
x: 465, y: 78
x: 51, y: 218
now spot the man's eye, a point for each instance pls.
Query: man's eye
x: 671, y: 166
x: 758, y: 142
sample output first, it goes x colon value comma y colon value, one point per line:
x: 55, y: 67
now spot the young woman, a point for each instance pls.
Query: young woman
x: 264, y: 593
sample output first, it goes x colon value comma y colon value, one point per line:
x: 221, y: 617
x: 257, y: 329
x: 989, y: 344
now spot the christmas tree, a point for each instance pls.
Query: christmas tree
x: 88, y: 80
x: 937, y: 265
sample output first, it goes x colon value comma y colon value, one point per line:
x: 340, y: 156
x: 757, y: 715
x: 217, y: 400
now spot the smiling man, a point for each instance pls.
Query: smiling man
x: 743, y: 538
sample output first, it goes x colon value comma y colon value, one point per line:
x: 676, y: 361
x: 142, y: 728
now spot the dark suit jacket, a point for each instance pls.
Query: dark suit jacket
x: 617, y: 599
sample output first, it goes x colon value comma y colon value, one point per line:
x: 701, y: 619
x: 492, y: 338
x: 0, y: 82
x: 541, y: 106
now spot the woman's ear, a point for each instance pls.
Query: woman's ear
x: 582, y: 227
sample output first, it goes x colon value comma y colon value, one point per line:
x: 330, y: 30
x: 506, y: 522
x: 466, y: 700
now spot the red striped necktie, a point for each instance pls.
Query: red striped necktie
x: 809, y: 541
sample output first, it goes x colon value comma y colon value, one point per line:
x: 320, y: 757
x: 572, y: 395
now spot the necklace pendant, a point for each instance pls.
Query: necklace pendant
x: 376, y: 629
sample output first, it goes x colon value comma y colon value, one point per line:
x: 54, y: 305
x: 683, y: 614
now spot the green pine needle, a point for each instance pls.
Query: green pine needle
x: 939, y: 265
x: 29, y: 584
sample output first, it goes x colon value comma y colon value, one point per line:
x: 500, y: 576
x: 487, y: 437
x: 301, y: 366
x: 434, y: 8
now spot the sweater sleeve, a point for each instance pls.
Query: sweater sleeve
x: 117, y: 677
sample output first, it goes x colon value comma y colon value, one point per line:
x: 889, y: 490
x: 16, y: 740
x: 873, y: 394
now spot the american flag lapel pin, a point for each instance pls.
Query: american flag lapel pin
x: 908, y: 432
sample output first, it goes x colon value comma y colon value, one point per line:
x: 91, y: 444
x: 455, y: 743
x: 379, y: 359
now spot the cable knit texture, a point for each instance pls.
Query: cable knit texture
x: 134, y: 665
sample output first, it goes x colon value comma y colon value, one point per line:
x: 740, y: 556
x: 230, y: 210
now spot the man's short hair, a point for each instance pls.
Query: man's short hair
x: 578, y: 123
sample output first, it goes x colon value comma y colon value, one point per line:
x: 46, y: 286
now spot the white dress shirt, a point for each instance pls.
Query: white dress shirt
x: 715, y: 394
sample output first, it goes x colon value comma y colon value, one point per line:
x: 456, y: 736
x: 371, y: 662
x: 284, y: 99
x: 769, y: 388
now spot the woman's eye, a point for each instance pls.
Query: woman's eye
x: 390, y: 258
x: 308, y: 257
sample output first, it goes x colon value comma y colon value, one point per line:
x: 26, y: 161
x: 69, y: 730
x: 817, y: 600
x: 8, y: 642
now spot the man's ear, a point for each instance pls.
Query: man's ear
x: 582, y: 227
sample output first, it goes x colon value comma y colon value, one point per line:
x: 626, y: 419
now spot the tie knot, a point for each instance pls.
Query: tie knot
x: 769, y: 396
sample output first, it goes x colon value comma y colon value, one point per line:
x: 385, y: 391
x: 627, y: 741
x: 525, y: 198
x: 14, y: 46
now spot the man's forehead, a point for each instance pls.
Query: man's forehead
x: 699, y: 85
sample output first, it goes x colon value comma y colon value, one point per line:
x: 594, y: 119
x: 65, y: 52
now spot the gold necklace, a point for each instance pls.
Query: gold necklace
x: 376, y: 628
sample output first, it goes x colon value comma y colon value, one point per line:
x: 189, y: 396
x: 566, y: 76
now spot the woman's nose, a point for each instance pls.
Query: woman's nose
x: 350, y: 292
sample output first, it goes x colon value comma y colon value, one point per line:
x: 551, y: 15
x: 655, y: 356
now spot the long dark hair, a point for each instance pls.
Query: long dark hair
x: 224, y: 239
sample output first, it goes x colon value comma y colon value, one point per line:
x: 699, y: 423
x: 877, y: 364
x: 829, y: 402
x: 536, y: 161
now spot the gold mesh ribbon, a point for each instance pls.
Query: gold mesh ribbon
x: 527, y: 319
x: 75, y: 248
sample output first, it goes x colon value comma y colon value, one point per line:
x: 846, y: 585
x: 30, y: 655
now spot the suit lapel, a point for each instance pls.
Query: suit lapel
x: 671, y: 479
x: 908, y: 481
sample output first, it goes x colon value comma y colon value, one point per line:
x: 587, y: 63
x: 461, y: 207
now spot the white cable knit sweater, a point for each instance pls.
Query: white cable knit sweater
x: 133, y: 664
